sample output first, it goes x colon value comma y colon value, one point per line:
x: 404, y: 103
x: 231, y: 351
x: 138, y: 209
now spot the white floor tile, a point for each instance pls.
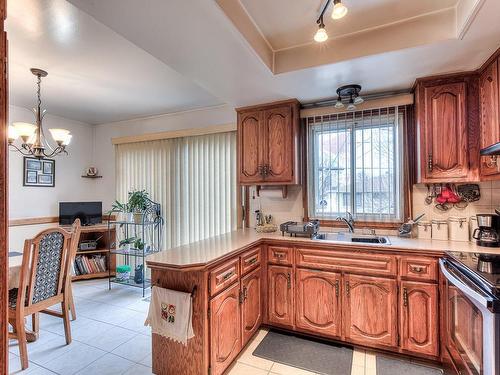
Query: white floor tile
x: 135, y: 349
x: 111, y: 339
x: 108, y: 364
x: 43, y: 353
x: 147, y: 360
x: 75, y: 359
x: 281, y: 369
x: 136, y: 324
x: 138, y: 369
x: 89, y: 331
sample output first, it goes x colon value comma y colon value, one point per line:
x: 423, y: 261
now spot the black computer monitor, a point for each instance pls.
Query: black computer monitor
x: 89, y: 213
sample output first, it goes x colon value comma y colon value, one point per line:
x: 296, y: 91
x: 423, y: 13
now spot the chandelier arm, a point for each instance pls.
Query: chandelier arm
x: 21, y: 150
x: 56, y: 151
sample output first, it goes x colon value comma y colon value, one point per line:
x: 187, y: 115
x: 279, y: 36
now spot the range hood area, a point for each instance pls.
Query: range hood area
x: 494, y: 149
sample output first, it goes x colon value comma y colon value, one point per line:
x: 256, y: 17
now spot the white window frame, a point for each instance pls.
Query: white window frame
x: 350, y: 121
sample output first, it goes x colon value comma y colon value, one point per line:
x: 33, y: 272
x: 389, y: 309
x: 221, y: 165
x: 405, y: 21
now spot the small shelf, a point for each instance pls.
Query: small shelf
x: 87, y: 276
x: 97, y: 251
x: 132, y: 252
x: 83, y: 176
x: 132, y: 223
x: 131, y: 282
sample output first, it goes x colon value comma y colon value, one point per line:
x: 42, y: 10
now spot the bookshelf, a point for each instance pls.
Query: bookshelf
x: 105, y: 243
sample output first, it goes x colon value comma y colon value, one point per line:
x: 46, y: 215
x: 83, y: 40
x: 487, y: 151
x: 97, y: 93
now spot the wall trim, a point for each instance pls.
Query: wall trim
x: 174, y: 134
x: 33, y: 221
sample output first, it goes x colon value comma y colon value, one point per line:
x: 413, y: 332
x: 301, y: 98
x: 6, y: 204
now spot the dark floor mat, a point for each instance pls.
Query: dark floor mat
x: 307, y: 354
x: 393, y: 366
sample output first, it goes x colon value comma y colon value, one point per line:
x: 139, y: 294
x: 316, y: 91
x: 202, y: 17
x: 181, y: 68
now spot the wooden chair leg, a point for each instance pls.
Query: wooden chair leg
x: 21, y: 337
x: 71, y: 302
x: 35, y: 323
x: 67, y: 324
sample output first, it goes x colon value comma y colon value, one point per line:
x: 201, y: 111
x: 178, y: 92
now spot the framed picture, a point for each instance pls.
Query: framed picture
x: 39, y: 172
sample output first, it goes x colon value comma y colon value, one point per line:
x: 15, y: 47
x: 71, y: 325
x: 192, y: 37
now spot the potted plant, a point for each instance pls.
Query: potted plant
x: 126, y: 243
x: 124, y: 210
x: 138, y: 202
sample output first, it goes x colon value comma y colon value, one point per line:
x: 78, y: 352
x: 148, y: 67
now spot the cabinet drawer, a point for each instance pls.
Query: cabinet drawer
x: 250, y: 260
x: 279, y: 255
x: 224, y: 275
x: 419, y: 268
x: 375, y: 264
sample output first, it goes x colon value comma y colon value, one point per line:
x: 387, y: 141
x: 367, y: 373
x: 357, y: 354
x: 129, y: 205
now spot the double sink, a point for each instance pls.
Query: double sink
x: 352, y: 237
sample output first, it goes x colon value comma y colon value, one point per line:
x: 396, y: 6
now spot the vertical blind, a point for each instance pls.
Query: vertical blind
x: 193, y: 178
x: 355, y: 165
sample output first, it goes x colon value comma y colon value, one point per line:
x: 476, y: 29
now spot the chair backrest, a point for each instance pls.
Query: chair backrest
x: 76, y: 229
x: 45, y: 268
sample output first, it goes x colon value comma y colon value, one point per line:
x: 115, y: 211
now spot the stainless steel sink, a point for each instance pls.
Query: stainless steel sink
x: 352, y: 237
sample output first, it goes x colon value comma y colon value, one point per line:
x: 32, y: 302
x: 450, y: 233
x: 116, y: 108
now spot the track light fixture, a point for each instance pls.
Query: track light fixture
x: 352, y: 92
x: 339, y: 11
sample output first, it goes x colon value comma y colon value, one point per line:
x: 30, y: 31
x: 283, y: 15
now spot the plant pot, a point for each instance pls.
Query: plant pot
x: 126, y: 217
x: 138, y: 217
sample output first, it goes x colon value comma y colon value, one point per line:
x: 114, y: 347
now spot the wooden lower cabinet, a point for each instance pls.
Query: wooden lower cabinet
x: 225, y: 329
x: 317, y: 307
x: 251, y: 309
x: 370, y: 310
x: 280, y: 295
x: 419, y: 318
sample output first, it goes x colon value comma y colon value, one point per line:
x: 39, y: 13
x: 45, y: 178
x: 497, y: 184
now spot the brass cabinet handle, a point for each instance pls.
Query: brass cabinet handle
x: 347, y: 288
x: 260, y: 168
x: 337, y: 288
x: 267, y: 169
x: 227, y: 275
x: 430, y: 163
x: 279, y: 255
x: 245, y: 292
x: 417, y: 269
x: 251, y: 261
x: 240, y: 297
x: 405, y: 297
x: 288, y: 280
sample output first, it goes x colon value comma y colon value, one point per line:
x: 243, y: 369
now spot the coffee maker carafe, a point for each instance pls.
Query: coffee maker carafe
x: 488, y: 231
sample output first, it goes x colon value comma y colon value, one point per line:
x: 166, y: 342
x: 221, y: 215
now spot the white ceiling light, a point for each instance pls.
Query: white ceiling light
x: 321, y: 35
x: 352, y: 92
x: 339, y: 10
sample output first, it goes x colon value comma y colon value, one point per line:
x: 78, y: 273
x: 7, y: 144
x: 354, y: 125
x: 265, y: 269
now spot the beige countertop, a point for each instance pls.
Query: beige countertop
x: 204, y: 252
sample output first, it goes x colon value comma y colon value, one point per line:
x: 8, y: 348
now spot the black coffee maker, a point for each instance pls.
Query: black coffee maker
x: 488, y: 231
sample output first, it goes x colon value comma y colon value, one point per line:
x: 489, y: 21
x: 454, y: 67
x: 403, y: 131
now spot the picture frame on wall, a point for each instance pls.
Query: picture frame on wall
x: 39, y: 172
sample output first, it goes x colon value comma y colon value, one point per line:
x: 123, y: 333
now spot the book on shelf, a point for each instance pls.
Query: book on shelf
x: 88, y: 264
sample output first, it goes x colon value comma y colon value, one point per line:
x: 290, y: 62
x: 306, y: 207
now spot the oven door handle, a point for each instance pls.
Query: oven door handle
x: 463, y: 287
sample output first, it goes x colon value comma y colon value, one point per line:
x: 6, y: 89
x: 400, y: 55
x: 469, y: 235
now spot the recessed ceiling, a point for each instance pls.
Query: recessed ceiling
x: 291, y: 23
x: 95, y: 75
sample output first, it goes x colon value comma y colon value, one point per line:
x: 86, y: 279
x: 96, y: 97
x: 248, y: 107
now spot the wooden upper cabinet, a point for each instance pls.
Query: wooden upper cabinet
x: 251, y: 309
x: 419, y: 318
x: 280, y: 295
x: 443, y: 132
x: 370, y: 310
x: 318, y: 302
x: 489, y: 89
x: 225, y: 332
x: 268, y: 144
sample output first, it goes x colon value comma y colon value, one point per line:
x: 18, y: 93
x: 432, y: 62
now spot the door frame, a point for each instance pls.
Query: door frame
x: 4, y: 268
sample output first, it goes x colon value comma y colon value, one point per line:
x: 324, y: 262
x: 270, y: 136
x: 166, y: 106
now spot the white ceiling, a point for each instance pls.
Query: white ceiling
x: 178, y: 54
x: 95, y: 75
x: 289, y: 23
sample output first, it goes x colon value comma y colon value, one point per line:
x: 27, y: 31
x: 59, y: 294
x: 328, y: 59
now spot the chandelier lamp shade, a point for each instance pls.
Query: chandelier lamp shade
x: 339, y: 11
x: 31, y: 137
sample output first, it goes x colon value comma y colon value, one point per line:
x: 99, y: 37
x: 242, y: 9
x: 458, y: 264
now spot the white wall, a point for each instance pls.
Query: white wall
x: 104, y: 156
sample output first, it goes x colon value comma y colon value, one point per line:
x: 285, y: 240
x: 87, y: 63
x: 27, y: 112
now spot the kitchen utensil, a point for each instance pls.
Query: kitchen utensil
x: 469, y: 192
x: 407, y: 229
x: 429, y: 197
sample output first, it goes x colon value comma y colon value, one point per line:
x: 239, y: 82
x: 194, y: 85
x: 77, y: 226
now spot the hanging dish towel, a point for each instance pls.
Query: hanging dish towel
x: 170, y: 314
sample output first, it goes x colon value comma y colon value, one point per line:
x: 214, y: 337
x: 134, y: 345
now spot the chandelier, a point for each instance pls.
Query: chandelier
x: 32, y: 138
x: 351, y: 92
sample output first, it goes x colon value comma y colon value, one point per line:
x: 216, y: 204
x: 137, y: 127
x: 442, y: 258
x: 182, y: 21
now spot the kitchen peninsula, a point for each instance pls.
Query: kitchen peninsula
x: 380, y: 296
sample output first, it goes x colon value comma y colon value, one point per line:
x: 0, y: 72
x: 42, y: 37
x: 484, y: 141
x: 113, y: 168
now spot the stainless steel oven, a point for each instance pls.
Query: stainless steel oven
x: 471, y: 319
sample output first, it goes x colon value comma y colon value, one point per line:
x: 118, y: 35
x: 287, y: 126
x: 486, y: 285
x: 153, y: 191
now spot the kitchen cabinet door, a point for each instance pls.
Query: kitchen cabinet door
x: 490, y: 115
x: 442, y: 119
x: 419, y: 318
x: 225, y: 329
x: 279, y: 141
x: 280, y: 296
x: 251, y: 309
x: 250, y: 146
x: 370, y: 310
x: 318, y: 302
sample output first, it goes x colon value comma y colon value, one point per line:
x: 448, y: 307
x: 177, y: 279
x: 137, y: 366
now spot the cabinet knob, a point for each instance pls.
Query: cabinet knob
x: 430, y: 163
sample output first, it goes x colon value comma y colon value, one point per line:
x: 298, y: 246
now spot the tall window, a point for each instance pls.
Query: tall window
x: 355, y: 165
x: 193, y: 178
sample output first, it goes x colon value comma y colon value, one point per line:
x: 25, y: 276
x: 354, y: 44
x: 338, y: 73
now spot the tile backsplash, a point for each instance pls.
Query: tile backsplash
x: 490, y: 199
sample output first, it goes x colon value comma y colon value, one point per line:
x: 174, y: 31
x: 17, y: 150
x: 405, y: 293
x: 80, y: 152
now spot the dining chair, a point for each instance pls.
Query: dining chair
x: 43, y: 283
x: 75, y: 230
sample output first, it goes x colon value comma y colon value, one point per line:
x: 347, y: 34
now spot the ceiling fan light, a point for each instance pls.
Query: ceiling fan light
x: 13, y: 134
x: 338, y: 103
x: 24, y: 129
x: 358, y: 100
x: 351, y: 107
x: 59, y: 135
x: 321, y: 35
x: 339, y: 10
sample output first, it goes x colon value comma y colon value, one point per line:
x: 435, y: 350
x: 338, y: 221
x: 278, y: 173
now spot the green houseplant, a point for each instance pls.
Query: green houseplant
x: 124, y: 209
x: 138, y: 202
